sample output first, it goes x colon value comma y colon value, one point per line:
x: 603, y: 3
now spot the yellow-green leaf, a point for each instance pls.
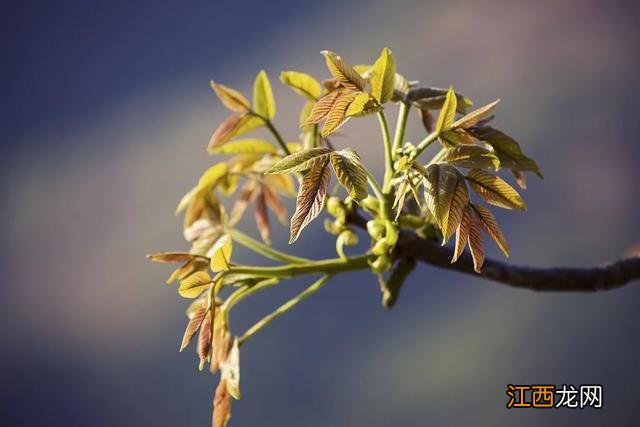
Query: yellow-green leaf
x: 350, y: 172
x: 476, y: 116
x: 383, y: 76
x: 300, y: 161
x: 311, y: 196
x: 303, y: 84
x: 322, y: 107
x: 462, y: 234
x: 508, y: 150
x: 491, y: 227
x: 344, y: 72
x: 263, y: 103
x: 472, y: 156
x: 305, y: 112
x: 170, y: 257
x: 194, y: 284
x: 220, y: 253
x: 231, y: 98
x: 362, y: 105
x: 447, y: 112
x: 336, y: 116
x: 251, y: 145
x: 476, y: 244
x: 231, y: 127
x: 494, y: 190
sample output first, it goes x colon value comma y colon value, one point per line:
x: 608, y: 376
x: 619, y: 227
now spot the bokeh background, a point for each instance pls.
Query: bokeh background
x: 105, y: 115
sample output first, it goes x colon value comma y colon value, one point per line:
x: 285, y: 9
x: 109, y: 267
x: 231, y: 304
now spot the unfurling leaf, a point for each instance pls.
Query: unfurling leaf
x: 446, y: 196
x: 350, y: 172
x: 230, y: 370
x: 195, y: 321
x: 303, y: 84
x: 188, y: 268
x: 231, y: 127
x: 247, y: 193
x: 344, y: 72
x: 362, y: 105
x: 208, y: 181
x: 311, y: 196
x: 274, y: 203
x: 221, y: 405
x: 300, y: 161
x: 204, y: 341
x: 220, y: 253
x: 491, y: 227
x: 262, y: 218
x: 475, y: 243
x: 507, y: 150
x: 462, y: 234
x: 263, y: 103
x: 231, y: 98
x: 472, y: 156
x: 170, y: 257
x: 194, y: 284
x: 447, y: 112
x: 322, y: 107
x: 383, y: 76
x: 241, y: 146
x: 336, y: 116
x: 476, y: 116
x: 494, y: 190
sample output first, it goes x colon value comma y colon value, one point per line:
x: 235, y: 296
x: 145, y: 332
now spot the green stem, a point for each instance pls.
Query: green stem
x: 426, y: 142
x: 401, y: 125
x: 263, y: 249
x: 382, y: 199
x: 244, y: 292
x: 276, y: 135
x: 262, y: 323
x: 439, y: 156
x: 388, y: 155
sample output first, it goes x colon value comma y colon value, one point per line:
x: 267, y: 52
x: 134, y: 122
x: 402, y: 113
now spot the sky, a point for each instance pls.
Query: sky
x: 105, y: 116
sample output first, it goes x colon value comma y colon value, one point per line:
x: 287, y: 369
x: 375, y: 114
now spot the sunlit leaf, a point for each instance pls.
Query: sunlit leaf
x: 462, y: 234
x: 231, y: 127
x: 168, y: 257
x: 494, y: 190
x: 204, y: 341
x: 383, y: 76
x: 472, y: 156
x: 451, y: 138
x: 507, y: 150
x: 362, y: 105
x: 311, y: 196
x: 322, y: 107
x: 305, y: 113
x: 476, y: 116
x: 491, y: 227
x: 336, y: 116
x: 188, y: 268
x: 231, y: 98
x: 220, y: 253
x: 303, y: 84
x: 300, y: 161
x: 195, y: 321
x: 253, y: 145
x: 475, y: 243
x: 350, y: 172
x: 344, y: 72
x: 281, y: 183
x: 194, y: 284
x: 447, y: 112
x: 263, y: 103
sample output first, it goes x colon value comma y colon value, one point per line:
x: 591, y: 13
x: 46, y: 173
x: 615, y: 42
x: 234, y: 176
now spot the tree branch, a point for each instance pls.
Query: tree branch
x: 558, y: 279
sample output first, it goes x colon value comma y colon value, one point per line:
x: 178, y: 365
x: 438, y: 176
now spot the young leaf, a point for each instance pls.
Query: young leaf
x: 472, y: 156
x: 204, y: 341
x: 263, y: 103
x: 476, y: 116
x: 491, y: 227
x: 230, y: 370
x: 322, y: 107
x: 253, y: 145
x: 194, y: 284
x: 431, y: 98
x: 344, y: 72
x: 170, y: 257
x: 195, y: 321
x: 300, y: 161
x: 475, y: 243
x: 427, y: 119
x: 274, y: 203
x: 452, y: 137
x: 231, y: 127
x: 311, y: 196
x: 247, y: 193
x: 494, y: 190
x: 221, y: 405
x: 362, y: 105
x: 336, y: 116
x: 446, y: 196
x: 303, y: 84
x: 350, y: 172
x: 448, y: 111
x: 262, y: 218
x: 507, y: 150
x: 231, y: 98
x: 383, y: 76
x: 220, y: 253
x: 462, y: 234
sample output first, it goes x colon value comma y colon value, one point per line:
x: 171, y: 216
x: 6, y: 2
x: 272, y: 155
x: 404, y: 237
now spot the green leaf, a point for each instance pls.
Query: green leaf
x: 507, y: 150
x: 311, y: 196
x: 336, y: 116
x: 350, y: 172
x: 362, y: 105
x: 231, y: 127
x: 300, y: 161
x: 231, y: 98
x: 263, y: 103
x: 208, y: 181
x: 252, y: 145
x: 220, y: 253
x: 446, y: 196
x: 303, y: 84
x: 194, y: 284
x: 383, y: 76
x: 447, y: 112
x: 472, y: 156
x: 476, y: 116
x: 494, y: 190
x: 344, y: 72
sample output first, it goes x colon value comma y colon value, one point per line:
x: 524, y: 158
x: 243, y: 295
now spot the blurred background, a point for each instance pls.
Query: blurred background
x: 106, y: 112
